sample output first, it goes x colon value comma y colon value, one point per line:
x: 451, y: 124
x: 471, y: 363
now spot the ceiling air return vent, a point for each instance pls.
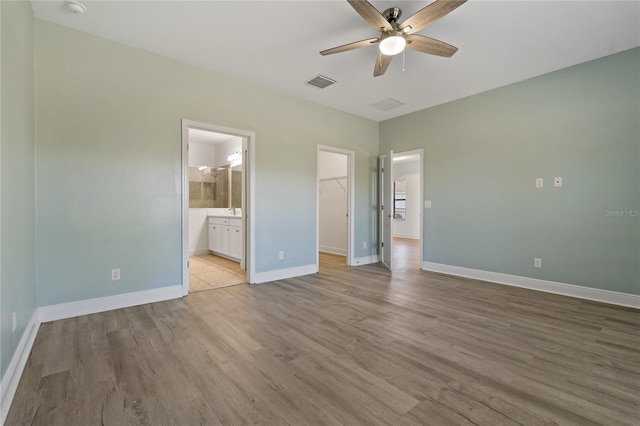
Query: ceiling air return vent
x: 386, y: 104
x: 321, y: 82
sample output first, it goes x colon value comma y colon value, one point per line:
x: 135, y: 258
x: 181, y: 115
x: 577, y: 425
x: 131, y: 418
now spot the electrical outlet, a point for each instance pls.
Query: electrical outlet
x: 115, y: 274
x: 539, y: 182
x: 281, y: 255
x: 537, y: 262
x: 14, y: 321
x: 364, y: 245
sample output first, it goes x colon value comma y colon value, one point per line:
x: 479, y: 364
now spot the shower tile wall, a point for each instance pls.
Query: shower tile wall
x: 204, y: 189
x: 236, y: 189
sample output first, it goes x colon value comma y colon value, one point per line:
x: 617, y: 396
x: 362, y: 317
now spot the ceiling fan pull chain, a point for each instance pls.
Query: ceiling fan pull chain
x: 403, y: 69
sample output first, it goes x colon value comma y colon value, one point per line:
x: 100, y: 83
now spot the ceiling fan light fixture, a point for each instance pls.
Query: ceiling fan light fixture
x: 392, y: 44
x: 395, y: 36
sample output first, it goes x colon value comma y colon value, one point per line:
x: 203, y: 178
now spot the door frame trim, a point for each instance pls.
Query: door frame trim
x: 350, y: 200
x: 248, y: 211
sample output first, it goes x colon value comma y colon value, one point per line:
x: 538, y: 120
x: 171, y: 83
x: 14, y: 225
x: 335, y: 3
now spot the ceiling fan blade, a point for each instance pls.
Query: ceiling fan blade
x: 430, y: 45
x: 382, y: 63
x: 427, y: 15
x: 350, y: 46
x: 370, y: 14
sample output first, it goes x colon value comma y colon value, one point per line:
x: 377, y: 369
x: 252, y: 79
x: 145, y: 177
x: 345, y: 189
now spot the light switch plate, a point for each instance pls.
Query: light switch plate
x: 557, y: 181
x: 539, y: 182
x: 427, y: 204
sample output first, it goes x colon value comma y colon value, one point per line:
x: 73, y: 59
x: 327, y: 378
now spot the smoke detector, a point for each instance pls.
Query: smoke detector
x: 76, y: 8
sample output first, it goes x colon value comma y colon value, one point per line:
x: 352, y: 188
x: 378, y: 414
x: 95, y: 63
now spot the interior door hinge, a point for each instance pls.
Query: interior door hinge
x: 382, y: 244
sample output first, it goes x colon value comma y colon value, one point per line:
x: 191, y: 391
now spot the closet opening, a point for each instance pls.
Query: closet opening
x: 335, y: 206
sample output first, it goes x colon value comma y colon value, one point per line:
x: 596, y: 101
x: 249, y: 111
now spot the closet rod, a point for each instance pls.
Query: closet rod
x: 333, y: 178
x: 337, y: 179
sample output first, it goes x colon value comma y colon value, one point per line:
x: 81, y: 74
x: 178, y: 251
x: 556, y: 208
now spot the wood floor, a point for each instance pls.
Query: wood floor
x: 346, y: 346
x: 405, y: 255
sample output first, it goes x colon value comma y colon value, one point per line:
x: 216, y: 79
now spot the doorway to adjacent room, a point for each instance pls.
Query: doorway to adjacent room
x: 216, y: 201
x: 335, y: 205
x: 400, y: 210
x: 407, y: 210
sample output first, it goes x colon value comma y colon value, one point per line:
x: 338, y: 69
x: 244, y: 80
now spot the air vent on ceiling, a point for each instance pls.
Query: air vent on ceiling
x: 386, y: 104
x: 321, y: 81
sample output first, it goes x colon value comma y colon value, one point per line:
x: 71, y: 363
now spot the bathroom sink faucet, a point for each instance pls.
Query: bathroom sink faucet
x: 233, y: 211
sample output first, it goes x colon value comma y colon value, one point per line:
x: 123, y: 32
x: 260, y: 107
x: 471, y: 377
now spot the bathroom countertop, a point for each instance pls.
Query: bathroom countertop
x: 237, y: 216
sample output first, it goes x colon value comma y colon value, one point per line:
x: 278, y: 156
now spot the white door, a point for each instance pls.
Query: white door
x: 386, y: 208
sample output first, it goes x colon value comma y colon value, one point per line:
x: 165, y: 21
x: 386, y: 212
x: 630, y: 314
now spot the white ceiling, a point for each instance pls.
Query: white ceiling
x: 276, y: 43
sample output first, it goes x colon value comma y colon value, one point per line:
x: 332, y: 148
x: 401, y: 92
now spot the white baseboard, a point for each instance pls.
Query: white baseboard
x: 282, y: 274
x: 359, y: 261
x: 410, y: 237
x: 333, y: 250
x: 12, y: 375
x: 195, y: 252
x: 108, y: 303
x: 581, y: 292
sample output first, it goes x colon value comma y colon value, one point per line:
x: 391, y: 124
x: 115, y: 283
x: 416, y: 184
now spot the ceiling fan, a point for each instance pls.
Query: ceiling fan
x: 395, y: 36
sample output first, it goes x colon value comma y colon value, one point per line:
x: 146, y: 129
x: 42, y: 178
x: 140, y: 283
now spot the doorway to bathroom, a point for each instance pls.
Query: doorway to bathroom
x: 335, y: 206
x: 216, y: 201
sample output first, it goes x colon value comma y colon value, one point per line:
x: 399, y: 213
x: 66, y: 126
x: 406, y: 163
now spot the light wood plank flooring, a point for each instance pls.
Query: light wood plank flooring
x: 406, y: 254
x: 346, y: 346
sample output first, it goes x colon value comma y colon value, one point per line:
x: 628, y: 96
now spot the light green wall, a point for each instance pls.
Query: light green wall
x: 108, y: 169
x: 108, y: 154
x: 17, y: 175
x: 483, y: 153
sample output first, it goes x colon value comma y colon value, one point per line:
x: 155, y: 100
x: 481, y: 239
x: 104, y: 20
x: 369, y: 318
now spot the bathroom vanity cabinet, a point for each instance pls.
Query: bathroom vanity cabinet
x: 225, y: 236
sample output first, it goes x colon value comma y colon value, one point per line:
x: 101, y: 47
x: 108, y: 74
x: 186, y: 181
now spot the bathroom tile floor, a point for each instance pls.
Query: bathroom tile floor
x: 208, y: 271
